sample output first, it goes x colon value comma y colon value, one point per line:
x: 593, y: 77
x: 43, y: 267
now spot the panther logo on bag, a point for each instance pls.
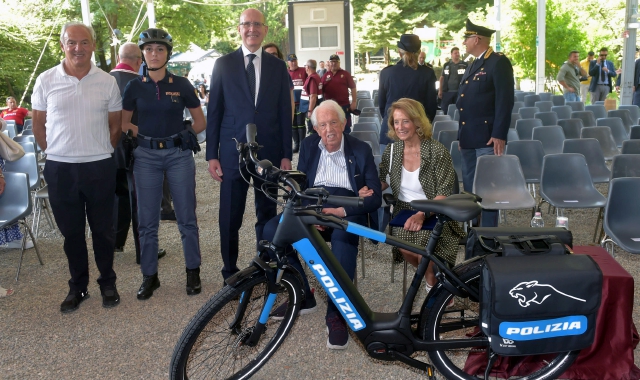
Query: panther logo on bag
x: 530, y: 291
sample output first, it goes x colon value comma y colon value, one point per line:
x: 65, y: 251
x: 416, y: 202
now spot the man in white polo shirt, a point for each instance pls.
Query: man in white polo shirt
x: 76, y: 121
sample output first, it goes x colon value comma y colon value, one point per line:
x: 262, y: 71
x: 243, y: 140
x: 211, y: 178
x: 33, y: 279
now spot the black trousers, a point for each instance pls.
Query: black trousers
x: 233, y: 197
x: 448, y: 97
x: 80, y: 192
x: 122, y: 208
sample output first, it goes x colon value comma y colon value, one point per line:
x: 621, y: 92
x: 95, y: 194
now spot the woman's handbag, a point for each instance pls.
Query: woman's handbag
x: 9, y: 149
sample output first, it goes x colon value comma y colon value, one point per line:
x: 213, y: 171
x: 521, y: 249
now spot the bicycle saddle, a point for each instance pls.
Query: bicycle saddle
x: 460, y: 207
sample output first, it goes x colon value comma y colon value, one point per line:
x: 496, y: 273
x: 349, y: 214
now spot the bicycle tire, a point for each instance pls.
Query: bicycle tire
x: 210, y: 349
x: 438, y: 322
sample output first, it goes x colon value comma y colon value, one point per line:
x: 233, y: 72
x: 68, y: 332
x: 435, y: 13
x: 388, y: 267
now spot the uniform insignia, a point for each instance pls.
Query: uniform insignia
x: 170, y: 78
x: 488, y: 53
x: 341, y: 76
x: 169, y: 93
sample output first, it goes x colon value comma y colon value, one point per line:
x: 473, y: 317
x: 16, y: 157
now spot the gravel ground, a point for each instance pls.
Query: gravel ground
x: 136, y: 339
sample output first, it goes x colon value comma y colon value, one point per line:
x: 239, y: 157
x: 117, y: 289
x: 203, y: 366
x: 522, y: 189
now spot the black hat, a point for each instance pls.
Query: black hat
x: 334, y: 57
x: 473, y: 29
x: 292, y: 57
x: 410, y: 43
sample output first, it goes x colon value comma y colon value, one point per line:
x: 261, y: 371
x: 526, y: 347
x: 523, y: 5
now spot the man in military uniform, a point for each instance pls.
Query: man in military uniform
x: 298, y: 76
x: 452, y: 72
x: 485, y: 101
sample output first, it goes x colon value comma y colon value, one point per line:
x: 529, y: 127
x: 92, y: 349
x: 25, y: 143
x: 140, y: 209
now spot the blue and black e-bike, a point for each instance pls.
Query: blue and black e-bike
x: 233, y: 335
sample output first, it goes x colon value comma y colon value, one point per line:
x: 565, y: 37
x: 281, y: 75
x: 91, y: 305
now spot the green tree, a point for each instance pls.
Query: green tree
x: 563, y: 35
x: 379, y: 23
x: 451, y: 15
x: 23, y: 35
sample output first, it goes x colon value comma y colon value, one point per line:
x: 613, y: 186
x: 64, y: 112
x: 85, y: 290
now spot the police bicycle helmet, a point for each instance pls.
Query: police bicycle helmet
x: 156, y: 36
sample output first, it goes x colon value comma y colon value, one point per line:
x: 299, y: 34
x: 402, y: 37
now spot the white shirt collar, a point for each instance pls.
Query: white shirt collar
x: 246, y: 51
x: 483, y: 53
x: 324, y: 148
x: 61, y: 71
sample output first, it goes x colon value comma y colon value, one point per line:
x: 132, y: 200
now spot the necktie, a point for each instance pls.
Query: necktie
x: 602, y: 73
x: 251, y: 76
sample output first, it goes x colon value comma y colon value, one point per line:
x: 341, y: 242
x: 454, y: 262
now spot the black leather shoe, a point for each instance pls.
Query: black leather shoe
x: 193, y: 281
x: 168, y: 215
x: 149, y: 284
x: 110, y: 296
x: 73, y: 301
x: 161, y: 253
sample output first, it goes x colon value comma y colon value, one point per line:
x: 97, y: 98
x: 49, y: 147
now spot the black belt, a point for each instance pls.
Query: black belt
x: 174, y: 141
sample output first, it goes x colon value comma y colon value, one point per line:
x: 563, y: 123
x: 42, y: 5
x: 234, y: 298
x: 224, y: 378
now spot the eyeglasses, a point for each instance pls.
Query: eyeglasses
x: 473, y: 35
x: 249, y: 24
x: 603, y: 55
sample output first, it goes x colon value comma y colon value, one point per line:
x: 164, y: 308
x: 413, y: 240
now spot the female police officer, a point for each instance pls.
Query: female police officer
x: 164, y: 145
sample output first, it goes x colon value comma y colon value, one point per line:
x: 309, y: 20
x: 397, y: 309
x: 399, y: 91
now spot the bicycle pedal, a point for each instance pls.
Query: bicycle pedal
x: 430, y: 372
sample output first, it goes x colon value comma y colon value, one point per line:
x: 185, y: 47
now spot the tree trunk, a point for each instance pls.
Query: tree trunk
x: 113, y: 50
x: 10, y: 88
x: 387, y: 58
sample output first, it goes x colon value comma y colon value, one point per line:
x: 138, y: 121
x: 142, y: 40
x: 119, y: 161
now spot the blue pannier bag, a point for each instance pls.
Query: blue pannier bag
x: 532, y: 305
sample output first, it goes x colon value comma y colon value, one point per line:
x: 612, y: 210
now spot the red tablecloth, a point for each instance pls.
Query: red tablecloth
x: 611, y: 355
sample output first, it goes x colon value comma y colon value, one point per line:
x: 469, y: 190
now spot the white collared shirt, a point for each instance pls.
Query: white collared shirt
x: 332, y: 168
x: 257, y: 65
x: 77, y: 122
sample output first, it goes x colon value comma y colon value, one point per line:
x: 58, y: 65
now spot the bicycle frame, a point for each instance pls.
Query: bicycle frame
x: 374, y: 329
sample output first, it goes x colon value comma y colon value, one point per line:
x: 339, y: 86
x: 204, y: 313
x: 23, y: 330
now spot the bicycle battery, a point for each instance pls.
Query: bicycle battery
x: 532, y: 305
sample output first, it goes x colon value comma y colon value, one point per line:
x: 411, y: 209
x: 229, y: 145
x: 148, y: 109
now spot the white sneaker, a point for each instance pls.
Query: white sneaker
x: 17, y: 244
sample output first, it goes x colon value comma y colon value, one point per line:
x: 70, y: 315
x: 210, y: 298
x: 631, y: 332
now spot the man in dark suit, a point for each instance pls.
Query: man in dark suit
x: 485, y: 101
x: 602, y: 73
x: 247, y: 86
x: 344, y: 166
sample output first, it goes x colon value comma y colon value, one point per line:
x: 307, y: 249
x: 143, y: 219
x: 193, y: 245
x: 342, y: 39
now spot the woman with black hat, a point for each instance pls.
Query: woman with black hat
x: 406, y: 79
x: 165, y: 145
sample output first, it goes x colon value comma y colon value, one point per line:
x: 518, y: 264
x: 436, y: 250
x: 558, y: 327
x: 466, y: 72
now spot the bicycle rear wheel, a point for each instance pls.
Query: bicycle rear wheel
x: 442, y: 321
x: 214, y: 344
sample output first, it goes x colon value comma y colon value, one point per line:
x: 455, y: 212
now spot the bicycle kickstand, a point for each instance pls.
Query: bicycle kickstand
x: 428, y: 368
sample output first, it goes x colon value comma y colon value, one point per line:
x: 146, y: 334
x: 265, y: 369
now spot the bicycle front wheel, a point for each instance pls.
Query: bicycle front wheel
x: 443, y: 320
x: 217, y: 343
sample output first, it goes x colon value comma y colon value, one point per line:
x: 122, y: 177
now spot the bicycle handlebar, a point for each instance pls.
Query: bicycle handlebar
x: 345, y: 201
x: 265, y: 169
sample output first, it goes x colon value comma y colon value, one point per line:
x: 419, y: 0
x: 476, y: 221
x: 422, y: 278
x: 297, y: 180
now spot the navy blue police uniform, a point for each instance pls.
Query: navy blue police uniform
x: 485, y: 101
x: 162, y: 147
x: 400, y: 81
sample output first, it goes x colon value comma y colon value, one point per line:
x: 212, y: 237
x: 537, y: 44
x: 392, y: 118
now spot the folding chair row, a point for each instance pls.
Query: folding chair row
x: 363, y: 94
